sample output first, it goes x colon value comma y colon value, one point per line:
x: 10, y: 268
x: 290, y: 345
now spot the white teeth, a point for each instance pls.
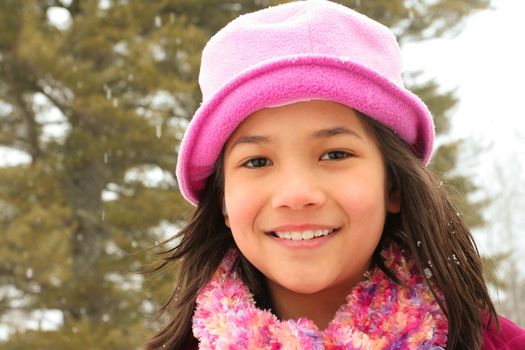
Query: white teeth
x: 296, y: 236
x: 302, y: 235
x: 308, y: 234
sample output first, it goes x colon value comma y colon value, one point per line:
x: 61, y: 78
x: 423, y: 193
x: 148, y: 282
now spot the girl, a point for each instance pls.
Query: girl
x: 318, y: 225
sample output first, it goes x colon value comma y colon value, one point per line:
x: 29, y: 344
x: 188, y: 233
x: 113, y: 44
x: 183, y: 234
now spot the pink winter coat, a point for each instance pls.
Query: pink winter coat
x: 510, y: 337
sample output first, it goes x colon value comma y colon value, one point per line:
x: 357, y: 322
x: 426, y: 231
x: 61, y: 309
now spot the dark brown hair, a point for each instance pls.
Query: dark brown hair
x: 428, y: 227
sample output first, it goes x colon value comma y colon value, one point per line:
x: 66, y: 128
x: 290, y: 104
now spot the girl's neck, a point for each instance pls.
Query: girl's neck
x: 319, y: 307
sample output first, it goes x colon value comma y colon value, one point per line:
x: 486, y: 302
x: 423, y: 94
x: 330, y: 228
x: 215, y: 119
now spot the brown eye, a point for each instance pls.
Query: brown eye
x: 335, y: 155
x: 257, y: 162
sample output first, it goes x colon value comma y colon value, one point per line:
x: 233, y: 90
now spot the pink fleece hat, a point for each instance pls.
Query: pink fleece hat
x: 303, y: 50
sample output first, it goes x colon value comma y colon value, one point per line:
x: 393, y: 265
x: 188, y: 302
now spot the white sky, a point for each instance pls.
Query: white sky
x: 486, y: 62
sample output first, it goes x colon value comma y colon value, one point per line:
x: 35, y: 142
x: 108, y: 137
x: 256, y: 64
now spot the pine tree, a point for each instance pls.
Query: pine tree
x: 122, y: 81
x: 119, y: 82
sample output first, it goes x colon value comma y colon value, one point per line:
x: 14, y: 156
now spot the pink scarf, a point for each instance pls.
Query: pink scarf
x: 379, y: 314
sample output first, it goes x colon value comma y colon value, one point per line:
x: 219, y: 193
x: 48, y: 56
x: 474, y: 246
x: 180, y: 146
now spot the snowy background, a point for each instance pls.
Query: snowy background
x: 486, y: 64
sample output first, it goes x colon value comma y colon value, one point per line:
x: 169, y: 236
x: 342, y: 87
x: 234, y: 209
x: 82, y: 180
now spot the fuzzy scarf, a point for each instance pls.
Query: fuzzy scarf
x: 379, y: 314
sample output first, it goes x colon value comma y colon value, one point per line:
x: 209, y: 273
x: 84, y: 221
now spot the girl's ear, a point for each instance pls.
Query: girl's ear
x: 393, y: 200
x: 225, y: 213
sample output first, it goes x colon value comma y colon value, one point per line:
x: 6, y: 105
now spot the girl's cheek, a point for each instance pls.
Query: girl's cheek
x: 241, y: 207
x: 364, y: 195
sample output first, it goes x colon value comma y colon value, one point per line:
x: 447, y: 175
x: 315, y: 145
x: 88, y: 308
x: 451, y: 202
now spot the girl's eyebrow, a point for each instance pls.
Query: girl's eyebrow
x: 253, y: 139
x: 258, y: 139
x: 336, y: 131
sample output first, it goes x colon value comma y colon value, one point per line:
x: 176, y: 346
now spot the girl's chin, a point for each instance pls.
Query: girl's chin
x: 306, y: 286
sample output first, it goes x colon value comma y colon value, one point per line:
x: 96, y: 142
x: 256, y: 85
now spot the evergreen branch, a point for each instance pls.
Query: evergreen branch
x: 19, y: 144
x: 32, y: 126
x: 66, y: 110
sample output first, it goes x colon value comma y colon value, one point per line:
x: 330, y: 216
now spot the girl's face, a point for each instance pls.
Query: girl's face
x: 306, y: 195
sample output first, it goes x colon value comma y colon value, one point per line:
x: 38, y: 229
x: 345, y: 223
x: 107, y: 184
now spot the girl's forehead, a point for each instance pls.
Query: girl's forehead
x: 302, y: 117
x: 307, y: 121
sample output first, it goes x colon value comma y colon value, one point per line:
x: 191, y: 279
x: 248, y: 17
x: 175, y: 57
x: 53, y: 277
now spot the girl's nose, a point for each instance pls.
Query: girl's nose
x: 298, y: 191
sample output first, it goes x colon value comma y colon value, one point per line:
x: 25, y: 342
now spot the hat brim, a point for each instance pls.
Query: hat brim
x: 293, y: 78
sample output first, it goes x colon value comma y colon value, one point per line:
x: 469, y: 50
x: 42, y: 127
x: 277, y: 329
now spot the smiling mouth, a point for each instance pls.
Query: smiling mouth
x: 302, y: 235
